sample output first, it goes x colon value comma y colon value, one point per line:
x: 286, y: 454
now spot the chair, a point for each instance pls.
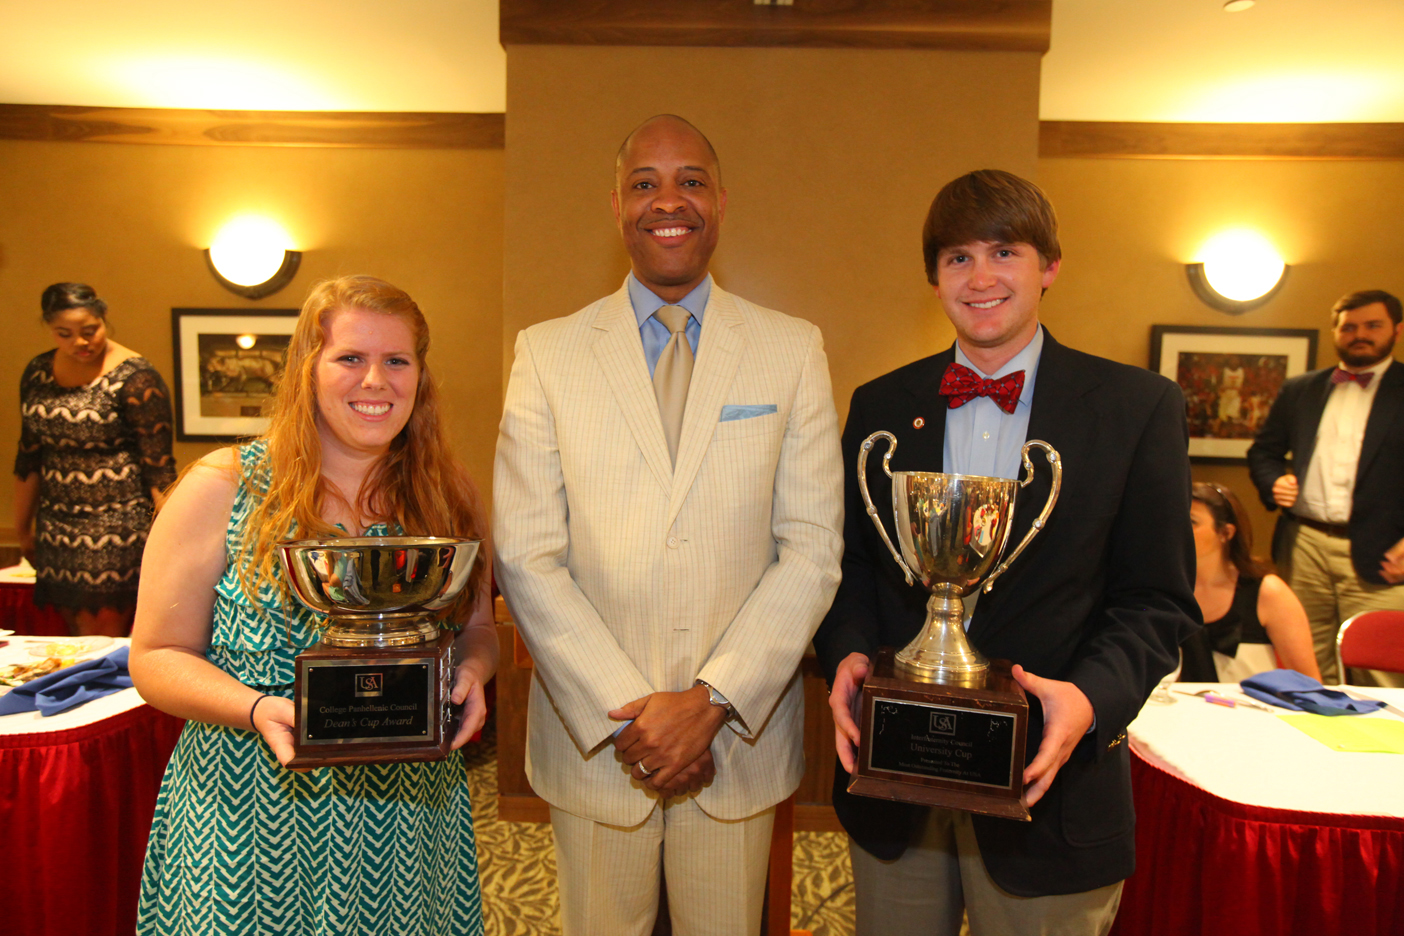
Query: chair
x: 1371, y: 640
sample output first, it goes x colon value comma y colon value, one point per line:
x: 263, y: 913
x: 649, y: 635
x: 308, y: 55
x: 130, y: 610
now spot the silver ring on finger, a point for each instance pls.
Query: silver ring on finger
x: 646, y: 771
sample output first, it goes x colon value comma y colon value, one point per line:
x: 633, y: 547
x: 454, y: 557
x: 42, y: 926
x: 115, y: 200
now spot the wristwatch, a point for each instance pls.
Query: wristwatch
x: 716, y: 698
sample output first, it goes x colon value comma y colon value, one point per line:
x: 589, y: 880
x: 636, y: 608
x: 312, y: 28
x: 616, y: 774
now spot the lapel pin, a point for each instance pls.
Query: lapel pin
x: 918, y: 423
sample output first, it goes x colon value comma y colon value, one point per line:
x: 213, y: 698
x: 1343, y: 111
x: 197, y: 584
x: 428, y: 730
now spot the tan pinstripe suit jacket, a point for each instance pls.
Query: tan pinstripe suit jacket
x: 628, y: 577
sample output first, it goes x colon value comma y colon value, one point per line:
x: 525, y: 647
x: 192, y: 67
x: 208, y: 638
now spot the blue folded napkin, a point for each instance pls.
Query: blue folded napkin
x: 70, y: 687
x: 1300, y: 693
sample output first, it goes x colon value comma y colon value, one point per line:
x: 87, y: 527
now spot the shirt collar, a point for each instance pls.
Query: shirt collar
x: 1026, y: 361
x: 646, y: 302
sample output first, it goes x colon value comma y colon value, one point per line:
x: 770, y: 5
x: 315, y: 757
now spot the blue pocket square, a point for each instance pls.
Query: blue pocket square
x: 750, y: 411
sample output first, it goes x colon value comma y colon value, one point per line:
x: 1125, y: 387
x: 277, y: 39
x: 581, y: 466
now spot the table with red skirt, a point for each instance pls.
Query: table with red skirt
x: 77, y: 792
x: 19, y: 613
x: 1246, y: 825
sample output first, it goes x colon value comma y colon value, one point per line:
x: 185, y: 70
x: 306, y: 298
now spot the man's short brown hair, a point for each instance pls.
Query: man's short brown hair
x: 1358, y: 300
x: 989, y: 205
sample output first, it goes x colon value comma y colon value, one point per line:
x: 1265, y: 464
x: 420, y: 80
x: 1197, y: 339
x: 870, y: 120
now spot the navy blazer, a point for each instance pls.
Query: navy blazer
x: 1102, y: 597
x: 1377, y: 502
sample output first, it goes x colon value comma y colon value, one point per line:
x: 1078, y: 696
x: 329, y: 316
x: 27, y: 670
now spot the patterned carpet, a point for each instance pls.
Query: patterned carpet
x: 517, y: 865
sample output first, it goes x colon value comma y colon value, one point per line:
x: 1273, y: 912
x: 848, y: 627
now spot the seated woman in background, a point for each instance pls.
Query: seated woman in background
x: 1245, y: 606
x: 355, y: 446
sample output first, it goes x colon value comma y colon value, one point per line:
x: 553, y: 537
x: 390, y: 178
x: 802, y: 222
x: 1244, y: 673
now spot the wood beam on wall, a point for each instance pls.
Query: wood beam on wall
x: 1004, y: 25
x: 63, y: 123
x: 1078, y: 139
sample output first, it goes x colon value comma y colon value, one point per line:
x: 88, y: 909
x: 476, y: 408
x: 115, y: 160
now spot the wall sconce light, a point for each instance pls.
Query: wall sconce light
x: 1238, y: 271
x: 250, y: 257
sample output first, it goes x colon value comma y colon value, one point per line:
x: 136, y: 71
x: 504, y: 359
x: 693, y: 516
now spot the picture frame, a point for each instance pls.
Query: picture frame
x: 1230, y: 377
x: 226, y: 364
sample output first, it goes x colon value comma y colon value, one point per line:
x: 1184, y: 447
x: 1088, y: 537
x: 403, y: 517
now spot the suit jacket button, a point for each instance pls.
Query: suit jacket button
x: 672, y: 542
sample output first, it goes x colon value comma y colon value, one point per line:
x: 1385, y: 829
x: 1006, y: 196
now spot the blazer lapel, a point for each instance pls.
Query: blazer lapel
x: 1383, y: 412
x: 922, y: 449
x: 1060, y: 418
x: 619, y: 350
x: 719, y: 352
x: 1309, y: 420
x: 1057, y: 395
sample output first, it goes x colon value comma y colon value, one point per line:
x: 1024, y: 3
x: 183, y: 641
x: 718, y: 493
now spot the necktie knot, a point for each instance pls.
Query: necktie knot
x: 960, y: 385
x: 673, y: 317
x: 1341, y: 375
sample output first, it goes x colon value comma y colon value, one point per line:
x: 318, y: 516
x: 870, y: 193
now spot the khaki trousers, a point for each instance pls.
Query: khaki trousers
x: 715, y: 869
x: 1329, y: 588
x: 923, y: 892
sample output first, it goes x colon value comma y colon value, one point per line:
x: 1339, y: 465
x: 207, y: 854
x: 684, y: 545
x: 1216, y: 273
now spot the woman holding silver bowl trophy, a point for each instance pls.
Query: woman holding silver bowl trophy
x: 354, y: 449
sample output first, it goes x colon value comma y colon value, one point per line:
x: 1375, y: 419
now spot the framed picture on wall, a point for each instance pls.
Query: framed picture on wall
x: 1230, y: 376
x: 226, y: 363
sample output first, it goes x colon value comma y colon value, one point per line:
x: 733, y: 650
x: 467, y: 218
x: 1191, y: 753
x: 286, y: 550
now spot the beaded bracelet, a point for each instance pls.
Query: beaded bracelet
x: 254, y: 706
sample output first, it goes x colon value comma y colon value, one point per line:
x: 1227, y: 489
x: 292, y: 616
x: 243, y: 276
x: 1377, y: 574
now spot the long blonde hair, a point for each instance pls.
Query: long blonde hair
x: 419, y: 484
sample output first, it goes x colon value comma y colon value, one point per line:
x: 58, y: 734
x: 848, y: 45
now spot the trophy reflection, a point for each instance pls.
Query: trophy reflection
x: 376, y: 688
x: 940, y: 724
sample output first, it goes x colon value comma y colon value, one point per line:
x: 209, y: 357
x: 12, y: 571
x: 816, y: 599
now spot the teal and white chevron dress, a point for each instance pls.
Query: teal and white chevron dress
x: 241, y: 846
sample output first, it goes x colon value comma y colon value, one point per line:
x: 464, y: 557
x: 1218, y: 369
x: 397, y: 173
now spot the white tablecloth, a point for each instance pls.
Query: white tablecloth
x: 1253, y: 757
x: 86, y: 714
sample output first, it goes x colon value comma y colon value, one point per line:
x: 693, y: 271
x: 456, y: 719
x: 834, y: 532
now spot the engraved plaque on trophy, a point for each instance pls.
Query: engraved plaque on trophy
x: 941, y: 725
x: 376, y: 688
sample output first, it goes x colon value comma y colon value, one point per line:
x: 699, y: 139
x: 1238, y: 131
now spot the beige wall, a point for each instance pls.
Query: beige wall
x: 1129, y: 226
x: 830, y: 157
x: 131, y: 221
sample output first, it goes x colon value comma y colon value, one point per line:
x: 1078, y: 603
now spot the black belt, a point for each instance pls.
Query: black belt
x: 1338, y: 530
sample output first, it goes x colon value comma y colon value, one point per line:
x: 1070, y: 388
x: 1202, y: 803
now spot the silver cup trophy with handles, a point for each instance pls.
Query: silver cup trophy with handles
x: 941, y: 724
x: 376, y: 688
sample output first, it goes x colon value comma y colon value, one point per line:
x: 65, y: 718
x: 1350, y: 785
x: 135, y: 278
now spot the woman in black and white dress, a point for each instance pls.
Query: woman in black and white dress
x: 94, y: 456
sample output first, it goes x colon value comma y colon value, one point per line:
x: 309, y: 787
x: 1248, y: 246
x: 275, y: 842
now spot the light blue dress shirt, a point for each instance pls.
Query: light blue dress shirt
x: 982, y: 439
x: 654, y: 333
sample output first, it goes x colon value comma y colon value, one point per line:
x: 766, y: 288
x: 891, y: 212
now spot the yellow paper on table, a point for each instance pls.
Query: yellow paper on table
x: 1347, y: 733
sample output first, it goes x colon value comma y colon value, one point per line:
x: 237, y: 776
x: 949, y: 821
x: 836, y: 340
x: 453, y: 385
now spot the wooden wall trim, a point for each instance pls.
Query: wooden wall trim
x: 66, y: 123
x: 1114, y: 140
x: 1005, y: 25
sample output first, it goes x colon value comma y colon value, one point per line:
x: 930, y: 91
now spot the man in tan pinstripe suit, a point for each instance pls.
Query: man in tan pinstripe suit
x: 668, y: 495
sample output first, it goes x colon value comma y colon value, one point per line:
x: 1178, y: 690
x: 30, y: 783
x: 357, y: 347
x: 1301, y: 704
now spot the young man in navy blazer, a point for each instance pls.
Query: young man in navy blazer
x: 1092, y: 613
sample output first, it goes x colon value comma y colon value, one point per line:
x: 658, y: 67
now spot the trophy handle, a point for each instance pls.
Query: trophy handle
x: 1056, y: 463
x: 866, y: 449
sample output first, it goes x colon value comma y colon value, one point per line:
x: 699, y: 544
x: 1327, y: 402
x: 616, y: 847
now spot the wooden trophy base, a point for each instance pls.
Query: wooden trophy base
x: 960, y: 747
x: 372, y: 705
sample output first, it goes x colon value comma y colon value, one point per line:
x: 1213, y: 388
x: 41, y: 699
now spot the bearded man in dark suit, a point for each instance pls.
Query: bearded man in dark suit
x: 1092, y: 613
x: 1340, y: 539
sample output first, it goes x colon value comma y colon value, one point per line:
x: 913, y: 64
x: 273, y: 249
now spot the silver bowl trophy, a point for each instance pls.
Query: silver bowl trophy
x: 940, y: 724
x: 376, y: 688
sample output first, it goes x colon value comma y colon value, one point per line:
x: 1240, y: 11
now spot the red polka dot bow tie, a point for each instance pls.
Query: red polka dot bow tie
x: 1344, y: 376
x: 960, y: 385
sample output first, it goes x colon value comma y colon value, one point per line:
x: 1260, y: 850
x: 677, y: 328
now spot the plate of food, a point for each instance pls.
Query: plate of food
x: 20, y: 673
x: 70, y: 648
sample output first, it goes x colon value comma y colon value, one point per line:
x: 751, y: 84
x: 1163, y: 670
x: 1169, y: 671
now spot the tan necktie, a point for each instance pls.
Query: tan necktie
x: 672, y: 374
